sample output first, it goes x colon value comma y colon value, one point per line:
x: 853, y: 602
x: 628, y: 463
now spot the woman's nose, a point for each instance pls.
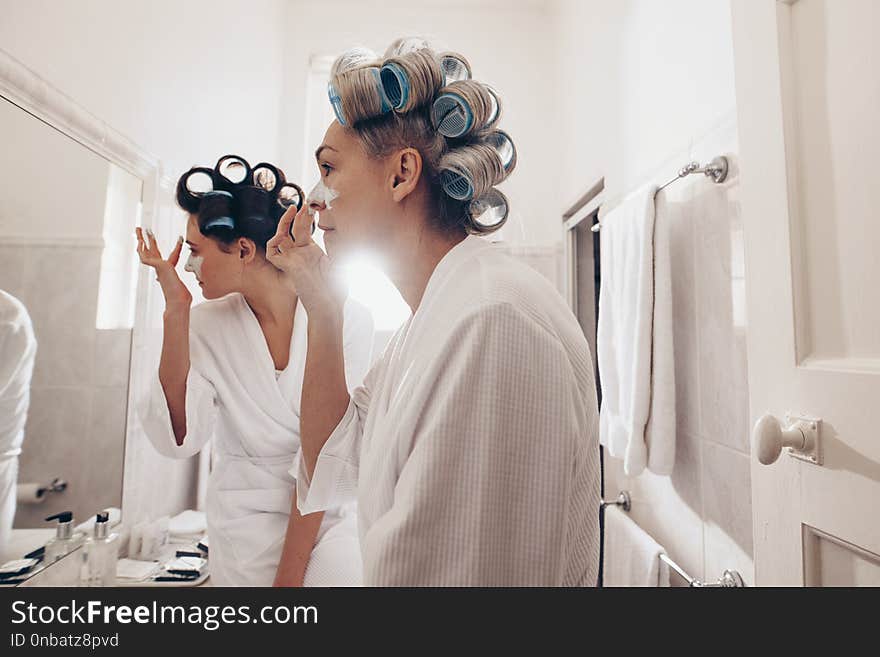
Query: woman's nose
x: 315, y: 206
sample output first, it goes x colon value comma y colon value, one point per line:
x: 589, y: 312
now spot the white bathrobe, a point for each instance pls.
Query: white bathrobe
x: 18, y: 349
x: 235, y: 395
x: 472, y: 447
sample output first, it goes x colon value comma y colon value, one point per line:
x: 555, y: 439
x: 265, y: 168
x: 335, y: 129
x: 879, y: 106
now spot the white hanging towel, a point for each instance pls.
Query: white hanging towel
x: 631, y: 557
x: 660, y: 431
x: 626, y: 303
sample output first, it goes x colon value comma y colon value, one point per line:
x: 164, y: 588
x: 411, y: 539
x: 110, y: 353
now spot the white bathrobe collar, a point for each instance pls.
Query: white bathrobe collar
x: 460, y: 253
x: 284, y: 391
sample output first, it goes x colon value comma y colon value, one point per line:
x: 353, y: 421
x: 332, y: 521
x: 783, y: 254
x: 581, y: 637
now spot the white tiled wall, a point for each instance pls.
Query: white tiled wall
x: 702, y: 513
x: 76, y: 421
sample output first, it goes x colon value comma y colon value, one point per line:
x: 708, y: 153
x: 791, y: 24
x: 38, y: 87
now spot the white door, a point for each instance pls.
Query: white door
x: 808, y: 95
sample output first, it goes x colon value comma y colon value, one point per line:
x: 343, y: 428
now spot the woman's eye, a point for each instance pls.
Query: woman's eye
x: 327, y: 168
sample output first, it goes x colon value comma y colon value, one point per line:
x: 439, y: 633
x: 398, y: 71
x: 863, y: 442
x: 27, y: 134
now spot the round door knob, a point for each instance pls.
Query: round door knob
x: 768, y: 438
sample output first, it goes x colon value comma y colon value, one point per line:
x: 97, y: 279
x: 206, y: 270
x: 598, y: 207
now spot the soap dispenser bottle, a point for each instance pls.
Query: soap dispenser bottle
x: 65, y: 539
x: 99, y: 556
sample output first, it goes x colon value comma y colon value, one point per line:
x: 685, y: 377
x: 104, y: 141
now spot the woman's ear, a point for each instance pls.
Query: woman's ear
x: 407, y: 170
x: 247, y: 250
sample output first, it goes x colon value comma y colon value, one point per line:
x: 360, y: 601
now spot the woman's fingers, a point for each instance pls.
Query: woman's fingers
x: 175, y: 253
x: 281, y: 241
x: 286, y: 222
x: 302, y: 226
x: 153, y: 245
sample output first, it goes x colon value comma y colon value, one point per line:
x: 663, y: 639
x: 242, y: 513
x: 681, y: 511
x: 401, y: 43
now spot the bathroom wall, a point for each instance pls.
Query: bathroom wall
x: 649, y: 86
x: 182, y: 79
x: 186, y: 81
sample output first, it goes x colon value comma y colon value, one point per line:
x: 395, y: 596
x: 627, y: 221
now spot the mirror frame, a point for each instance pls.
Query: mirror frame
x: 26, y: 89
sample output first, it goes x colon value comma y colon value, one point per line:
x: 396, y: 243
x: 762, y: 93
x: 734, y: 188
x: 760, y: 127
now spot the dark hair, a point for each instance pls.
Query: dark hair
x: 236, y: 200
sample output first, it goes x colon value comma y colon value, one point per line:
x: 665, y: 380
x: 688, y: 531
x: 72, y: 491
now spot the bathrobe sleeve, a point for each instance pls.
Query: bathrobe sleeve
x: 18, y: 348
x: 201, y: 410
x: 357, y: 338
x: 334, y: 483
x: 485, y: 493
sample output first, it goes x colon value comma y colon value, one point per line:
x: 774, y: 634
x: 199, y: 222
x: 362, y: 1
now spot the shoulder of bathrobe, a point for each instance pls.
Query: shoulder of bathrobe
x: 205, y: 316
x: 493, y: 278
x: 12, y: 311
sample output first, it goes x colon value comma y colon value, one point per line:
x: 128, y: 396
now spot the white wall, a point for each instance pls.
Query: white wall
x: 503, y: 42
x: 184, y: 80
x: 646, y: 86
x: 640, y: 81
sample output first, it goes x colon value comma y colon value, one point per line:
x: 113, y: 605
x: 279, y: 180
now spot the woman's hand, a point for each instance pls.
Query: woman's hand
x: 176, y: 294
x: 306, y: 265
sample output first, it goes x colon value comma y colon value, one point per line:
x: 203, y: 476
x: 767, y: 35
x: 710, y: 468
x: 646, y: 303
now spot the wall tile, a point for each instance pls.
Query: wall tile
x: 723, y: 370
x: 727, y: 496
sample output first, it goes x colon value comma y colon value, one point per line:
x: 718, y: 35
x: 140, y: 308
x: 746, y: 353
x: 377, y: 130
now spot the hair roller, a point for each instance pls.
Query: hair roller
x: 470, y: 171
x: 267, y: 177
x: 455, y: 67
x: 216, y: 210
x: 411, y: 79
x: 233, y: 169
x: 465, y: 107
x: 357, y: 95
x: 355, y: 87
x: 290, y: 194
x: 192, y: 186
x: 487, y: 213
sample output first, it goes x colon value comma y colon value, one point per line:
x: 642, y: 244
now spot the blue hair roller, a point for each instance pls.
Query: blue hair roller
x: 452, y: 115
x: 457, y: 185
x: 217, y: 222
x: 336, y: 100
x: 336, y: 103
x: 380, y: 91
x: 395, y: 85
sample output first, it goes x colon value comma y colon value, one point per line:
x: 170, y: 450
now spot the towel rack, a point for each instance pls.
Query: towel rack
x: 728, y: 579
x: 717, y: 170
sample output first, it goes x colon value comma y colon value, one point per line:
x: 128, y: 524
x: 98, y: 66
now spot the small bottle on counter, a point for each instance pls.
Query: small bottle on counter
x: 65, y: 540
x: 100, y: 555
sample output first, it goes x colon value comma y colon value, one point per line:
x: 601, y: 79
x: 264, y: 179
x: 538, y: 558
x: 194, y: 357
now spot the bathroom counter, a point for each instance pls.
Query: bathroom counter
x: 22, y: 541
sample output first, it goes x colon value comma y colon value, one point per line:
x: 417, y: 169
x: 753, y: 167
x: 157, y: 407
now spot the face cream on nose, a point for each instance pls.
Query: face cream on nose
x: 194, y: 265
x: 321, y: 194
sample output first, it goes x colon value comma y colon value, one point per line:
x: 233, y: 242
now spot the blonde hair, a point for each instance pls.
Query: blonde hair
x: 407, y: 100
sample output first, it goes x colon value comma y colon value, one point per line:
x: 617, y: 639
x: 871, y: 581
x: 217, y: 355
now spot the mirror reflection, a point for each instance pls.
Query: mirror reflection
x: 67, y: 291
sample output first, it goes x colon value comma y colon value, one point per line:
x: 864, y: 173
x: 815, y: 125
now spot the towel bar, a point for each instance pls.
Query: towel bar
x: 623, y: 500
x: 717, y: 170
x: 728, y: 579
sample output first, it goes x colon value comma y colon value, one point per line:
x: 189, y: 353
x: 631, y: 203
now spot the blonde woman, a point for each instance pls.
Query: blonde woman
x: 472, y: 445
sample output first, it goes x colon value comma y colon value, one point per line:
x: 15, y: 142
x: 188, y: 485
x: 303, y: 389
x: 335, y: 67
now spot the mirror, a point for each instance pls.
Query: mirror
x: 67, y: 260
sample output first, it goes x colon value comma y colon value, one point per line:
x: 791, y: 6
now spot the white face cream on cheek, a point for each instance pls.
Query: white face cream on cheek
x: 194, y: 265
x: 321, y: 194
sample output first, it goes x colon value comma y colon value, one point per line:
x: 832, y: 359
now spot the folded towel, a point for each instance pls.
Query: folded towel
x: 134, y: 569
x: 631, y: 557
x: 661, y: 427
x: 624, y: 327
x: 188, y: 524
